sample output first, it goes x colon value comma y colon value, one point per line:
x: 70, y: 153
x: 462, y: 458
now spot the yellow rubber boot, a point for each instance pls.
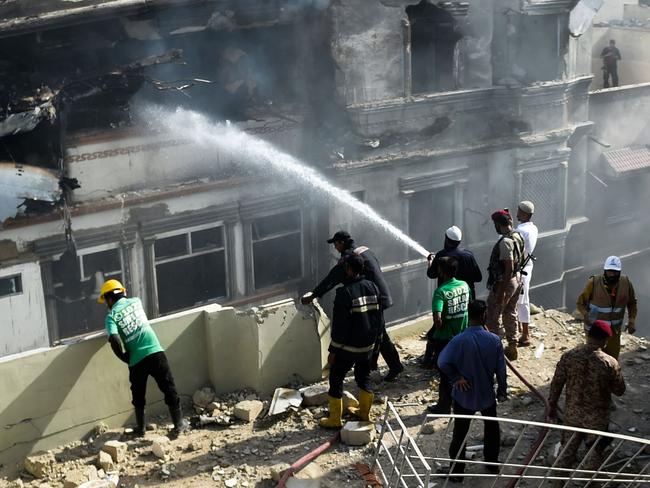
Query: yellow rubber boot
x: 365, y: 403
x: 334, y: 420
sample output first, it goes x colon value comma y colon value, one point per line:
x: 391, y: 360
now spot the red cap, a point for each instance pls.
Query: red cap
x: 604, y: 326
x: 501, y: 217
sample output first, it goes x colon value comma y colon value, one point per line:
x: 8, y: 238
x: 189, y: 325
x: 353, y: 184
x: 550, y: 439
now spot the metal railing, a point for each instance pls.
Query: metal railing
x: 565, y: 456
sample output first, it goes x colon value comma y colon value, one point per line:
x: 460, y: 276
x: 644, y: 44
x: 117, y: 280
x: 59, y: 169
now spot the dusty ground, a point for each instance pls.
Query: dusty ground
x: 242, y: 455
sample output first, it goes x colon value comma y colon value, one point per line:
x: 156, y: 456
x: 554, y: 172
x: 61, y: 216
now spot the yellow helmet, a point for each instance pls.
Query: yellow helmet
x: 108, y: 287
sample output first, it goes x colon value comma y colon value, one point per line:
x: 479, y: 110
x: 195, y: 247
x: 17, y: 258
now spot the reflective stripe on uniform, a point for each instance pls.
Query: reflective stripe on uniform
x: 353, y: 349
x: 594, y: 308
x: 365, y: 304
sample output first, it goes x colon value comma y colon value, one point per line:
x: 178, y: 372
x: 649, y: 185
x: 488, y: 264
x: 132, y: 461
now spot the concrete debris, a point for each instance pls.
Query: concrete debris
x: 358, y: 433
x: 116, y: 449
x: 349, y: 400
x: 100, y: 429
x: 160, y: 447
x: 108, y: 482
x: 203, y: 397
x: 248, y: 410
x: 277, y: 470
x: 105, y: 461
x: 77, y: 477
x: 314, y: 396
x: 231, y: 483
x: 40, y: 464
x: 283, y: 399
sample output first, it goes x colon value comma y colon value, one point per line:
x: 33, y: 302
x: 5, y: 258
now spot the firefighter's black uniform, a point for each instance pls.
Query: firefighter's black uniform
x: 356, y: 324
x: 372, y: 271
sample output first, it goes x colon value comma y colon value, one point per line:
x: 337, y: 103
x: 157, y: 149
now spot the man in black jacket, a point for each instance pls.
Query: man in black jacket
x: 468, y: 271
x: 345, y: 245
x: 356, y: 322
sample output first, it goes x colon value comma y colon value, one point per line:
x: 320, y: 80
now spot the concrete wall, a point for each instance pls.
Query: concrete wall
x: 53, y: 396
x: 634, y: 44
x: 612, y: 10
x: 23, y: 315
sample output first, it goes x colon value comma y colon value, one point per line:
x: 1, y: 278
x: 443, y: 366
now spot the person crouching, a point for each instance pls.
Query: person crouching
x: 356, y: 323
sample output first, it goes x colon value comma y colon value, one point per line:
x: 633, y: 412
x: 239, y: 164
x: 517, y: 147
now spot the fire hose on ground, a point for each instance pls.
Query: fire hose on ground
x: 310, y: 456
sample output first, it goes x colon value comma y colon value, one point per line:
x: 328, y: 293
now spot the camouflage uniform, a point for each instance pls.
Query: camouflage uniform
x: 504, y: 307
x: 590, y: 376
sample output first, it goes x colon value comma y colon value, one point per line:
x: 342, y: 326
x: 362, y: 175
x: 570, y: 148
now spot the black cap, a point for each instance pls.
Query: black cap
x: 340, y: 235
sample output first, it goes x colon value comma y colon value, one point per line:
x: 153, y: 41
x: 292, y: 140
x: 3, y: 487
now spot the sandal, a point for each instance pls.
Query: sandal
x: 523, y: 343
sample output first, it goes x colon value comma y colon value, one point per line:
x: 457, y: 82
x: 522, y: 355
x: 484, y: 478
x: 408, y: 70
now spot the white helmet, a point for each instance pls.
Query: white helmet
x: 612, y: 263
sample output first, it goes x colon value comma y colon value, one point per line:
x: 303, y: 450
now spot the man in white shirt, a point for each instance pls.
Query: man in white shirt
x: 529, y: 232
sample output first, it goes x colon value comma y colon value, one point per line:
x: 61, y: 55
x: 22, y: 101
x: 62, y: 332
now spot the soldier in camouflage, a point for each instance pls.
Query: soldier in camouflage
x: 590, y: 377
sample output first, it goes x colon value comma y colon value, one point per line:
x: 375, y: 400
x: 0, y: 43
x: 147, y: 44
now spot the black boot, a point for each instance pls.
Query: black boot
x: 180, y: 424
x: 426, y: 361
x: 141, y: 422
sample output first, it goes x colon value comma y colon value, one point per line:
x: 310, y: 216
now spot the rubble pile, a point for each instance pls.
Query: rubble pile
x: 236, y: 442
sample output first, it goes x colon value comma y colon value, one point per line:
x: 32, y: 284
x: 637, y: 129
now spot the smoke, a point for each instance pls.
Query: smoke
x: 235, y: 145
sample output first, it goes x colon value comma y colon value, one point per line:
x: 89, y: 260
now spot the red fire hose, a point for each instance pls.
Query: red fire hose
x: 307, y: 458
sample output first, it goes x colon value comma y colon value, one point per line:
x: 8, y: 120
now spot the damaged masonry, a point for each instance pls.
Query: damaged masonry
x: 432, y: 113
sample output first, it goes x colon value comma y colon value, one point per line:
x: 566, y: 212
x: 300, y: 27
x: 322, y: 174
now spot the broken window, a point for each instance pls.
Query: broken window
x: 431, y: 212
x: 11, y: 285
x: 277, y: 249
x: 434, y: 41
x: 77, y: 278
x: 190, y: 268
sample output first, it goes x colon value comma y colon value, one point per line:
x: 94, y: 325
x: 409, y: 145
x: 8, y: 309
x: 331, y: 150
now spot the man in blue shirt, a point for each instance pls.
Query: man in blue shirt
x: 471, y: 360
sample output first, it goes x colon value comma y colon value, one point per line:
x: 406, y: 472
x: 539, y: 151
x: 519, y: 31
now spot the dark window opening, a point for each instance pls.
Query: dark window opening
x: 77, y: 280
x: 277, y: 249
x: 359, y: 195
x: 538, y: 48
x: 11, y: 285
x: 190, y: 269
x: 431, y: 212
x: 433, y: 48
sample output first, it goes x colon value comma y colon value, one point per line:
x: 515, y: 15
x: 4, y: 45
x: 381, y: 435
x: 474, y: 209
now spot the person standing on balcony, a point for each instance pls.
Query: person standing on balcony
x: 344, y: 244
x: 468, y: 271
x: 606, y: 297
x: 529, y: 232
x: 610, y: 56
x: 127, y: 325
x: 471, y: 361
x: 590, y: 377
x: 504, y: 280
x: 449, y: 307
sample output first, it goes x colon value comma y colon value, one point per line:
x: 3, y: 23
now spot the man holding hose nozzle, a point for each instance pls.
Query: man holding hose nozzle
x: 345, y: 245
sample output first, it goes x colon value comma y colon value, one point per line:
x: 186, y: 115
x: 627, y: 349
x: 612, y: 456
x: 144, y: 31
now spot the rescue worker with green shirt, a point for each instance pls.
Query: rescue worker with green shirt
x: 449, y: 307
x: 127, y: 325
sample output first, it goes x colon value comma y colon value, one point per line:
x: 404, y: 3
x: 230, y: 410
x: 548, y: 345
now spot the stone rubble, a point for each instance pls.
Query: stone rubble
x: 252, y: 449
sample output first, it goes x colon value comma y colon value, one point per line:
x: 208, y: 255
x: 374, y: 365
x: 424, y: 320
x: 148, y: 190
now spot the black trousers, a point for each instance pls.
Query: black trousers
x: 388, y: 351
x: 157, y: 366
x: 344, y: 361
x: 444, y: 386
x: 491, y: 436
x: 610, y: 71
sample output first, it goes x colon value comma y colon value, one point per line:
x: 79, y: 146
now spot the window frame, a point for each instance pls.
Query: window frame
x: 20, y: 280
x: 188, y: 231
x: 251, y: 286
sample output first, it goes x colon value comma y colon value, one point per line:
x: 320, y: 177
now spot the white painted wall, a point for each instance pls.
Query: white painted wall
x: 612, y: 10
x: 23, y: 325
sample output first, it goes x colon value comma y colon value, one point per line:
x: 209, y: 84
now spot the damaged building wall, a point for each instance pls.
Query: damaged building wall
x: 22, y: 308
x: 44, y: 394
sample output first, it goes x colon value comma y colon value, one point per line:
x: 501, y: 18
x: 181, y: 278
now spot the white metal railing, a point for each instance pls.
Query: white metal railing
x: 539, y: 456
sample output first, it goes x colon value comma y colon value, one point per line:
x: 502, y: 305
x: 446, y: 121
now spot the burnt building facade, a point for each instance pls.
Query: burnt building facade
x: 433, y: 113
